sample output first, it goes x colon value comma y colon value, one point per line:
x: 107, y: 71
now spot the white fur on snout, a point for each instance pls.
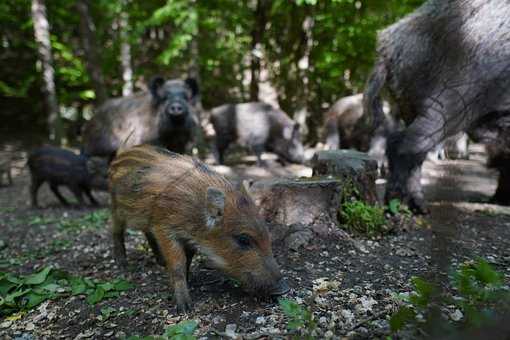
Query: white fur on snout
x: 215, y: 258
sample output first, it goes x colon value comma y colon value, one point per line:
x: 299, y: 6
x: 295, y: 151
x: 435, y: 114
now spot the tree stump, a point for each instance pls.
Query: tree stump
x: 298, y: 209
x: 353, y: 168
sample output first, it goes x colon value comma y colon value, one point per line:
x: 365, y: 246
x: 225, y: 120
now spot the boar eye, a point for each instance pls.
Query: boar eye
x: 243, y: 240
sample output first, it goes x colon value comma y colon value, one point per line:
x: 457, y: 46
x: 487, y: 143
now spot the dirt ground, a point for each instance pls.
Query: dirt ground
x: 350, y: 284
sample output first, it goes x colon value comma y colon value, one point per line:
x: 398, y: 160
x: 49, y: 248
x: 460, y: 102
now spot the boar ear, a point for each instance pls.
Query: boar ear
x: 288, y: 132
x: 154, y: 86
x: 295, y: 131
x: 193, y: 86
x: 215, y: 207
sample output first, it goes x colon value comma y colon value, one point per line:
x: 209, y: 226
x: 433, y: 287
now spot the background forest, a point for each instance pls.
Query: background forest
x: 307, y: 52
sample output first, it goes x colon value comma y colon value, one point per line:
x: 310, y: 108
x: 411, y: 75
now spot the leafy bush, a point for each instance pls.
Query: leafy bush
x: 301, y: 322
x: 20, y: 293
x: 362, y: 218
x: 481, y: 296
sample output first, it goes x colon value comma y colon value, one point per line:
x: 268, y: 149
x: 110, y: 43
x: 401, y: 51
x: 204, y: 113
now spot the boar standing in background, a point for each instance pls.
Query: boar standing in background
x: 63, y: 167
x: 259, y: 127
x: 181, y: 205
x: 164, y: 115
x: 446, y: 67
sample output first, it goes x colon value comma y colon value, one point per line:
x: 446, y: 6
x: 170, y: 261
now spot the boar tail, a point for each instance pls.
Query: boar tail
x: 372, y: 102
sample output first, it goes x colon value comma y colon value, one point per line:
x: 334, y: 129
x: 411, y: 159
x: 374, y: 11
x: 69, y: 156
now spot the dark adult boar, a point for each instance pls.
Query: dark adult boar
x: 63, y: 167
x: 5, y: 167
x: 181, y: 205
x: 447, y: 68
x: 258, y: 126
x: 342, y: 124
x: 164, y: 115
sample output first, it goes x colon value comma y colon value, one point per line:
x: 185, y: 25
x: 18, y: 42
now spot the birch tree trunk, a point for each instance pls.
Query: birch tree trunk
x: 42, y: 38
x: 89, y: 42
x: 125, y: 51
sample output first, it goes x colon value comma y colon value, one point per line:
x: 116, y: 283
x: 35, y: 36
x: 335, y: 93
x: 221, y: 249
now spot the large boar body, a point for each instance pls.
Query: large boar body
x: 182, y: 206
x: 447, y: 68
x: 259, y: 127
x: 164, y: 116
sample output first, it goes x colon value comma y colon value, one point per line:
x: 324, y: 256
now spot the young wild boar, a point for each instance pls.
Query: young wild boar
x: 258, y: 126
x: 63, y: 167
x: 183, y: 206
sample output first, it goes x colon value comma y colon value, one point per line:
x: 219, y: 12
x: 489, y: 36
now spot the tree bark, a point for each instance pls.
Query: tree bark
x: 42, y: 38
x: 257, y: 36
x: 125, y: 51
x: 89, y: 42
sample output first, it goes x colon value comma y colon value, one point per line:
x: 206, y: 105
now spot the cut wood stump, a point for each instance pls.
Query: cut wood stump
x: 298, y: 209
x: 352, y: 167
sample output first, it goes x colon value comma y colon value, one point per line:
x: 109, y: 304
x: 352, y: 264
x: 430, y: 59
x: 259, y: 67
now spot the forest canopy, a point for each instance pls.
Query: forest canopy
x: 309, y: 52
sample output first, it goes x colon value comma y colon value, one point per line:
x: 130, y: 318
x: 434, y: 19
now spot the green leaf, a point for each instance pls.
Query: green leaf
x: 97, y: 296
x: 34, y: 299
x: 78, y: 285
x: 402, y: 317
x: 122, y: 285
x: 186, y: 328
x: 394, y: 206
x: 37, y: 278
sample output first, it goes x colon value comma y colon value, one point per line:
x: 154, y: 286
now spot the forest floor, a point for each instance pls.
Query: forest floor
x: 350, y: 284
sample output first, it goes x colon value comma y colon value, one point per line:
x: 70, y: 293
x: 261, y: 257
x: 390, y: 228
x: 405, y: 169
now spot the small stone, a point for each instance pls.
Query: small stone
x: 323, y: 320
x: 260, y: 320
x: 30, y: 326
x: 328, y: 335
x: 6, y: 324
x: 456, y: 315
x: 230, y: 330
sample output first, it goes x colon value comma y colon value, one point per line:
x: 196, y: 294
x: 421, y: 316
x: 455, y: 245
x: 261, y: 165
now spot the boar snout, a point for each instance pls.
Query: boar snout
x: 280, y: 288
x: 176, y: 109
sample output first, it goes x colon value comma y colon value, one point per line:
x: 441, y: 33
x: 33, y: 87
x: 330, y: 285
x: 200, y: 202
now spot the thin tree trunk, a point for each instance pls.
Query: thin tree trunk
x: 257, y: 36
x: 42, y: 38
x: 89, y: 41
x: 125, y: 51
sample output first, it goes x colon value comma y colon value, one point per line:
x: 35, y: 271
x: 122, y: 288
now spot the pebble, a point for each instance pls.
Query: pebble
x: 260, y: 320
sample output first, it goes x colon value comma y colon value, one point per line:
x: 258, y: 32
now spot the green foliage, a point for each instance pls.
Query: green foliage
x: 396, y: 207
x: 300, y: 320
x: 94, y: 220
x: 481, y: 296
x: 20, y: 293
x: 184, y: 330
x: 360, y: 217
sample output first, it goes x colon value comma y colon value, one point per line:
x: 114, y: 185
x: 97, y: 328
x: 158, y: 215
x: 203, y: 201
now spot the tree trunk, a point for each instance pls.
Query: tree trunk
x: 89, y: 41
x: 42, y: 38
x: 125, y: 51
x: 257, y: 36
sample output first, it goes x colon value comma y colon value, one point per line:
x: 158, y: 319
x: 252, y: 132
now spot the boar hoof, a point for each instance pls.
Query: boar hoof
x: 281, y: 288
x: 183, y: 302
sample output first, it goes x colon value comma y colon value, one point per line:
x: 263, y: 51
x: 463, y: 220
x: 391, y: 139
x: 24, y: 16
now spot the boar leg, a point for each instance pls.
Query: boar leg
x: 34, y: 188
x: 54, y: 189
x: 119, y: 248
x: 175, y: 258
x: 153, y: 243
x: 9, y: 176
x: 78, y: 193
x: 258, y: 150
x: 91, y: 198
x: 190, y: 252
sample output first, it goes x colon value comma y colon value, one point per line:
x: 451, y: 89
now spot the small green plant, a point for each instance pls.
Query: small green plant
x: 362, y: 218
x: 396, y: 207
x: 93, y: 220
x: 480, y: 295
x: 20, y: 293
x: 300, y: 320
x: 184, y: 330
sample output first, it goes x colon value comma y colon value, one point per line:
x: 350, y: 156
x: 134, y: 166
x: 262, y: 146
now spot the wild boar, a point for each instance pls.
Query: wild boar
x: 446, y: 68
x: 183, y: 206
x: 258, y: 126
x: 499, y: 159
x: 63, y: 167
x: 164, y: 116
